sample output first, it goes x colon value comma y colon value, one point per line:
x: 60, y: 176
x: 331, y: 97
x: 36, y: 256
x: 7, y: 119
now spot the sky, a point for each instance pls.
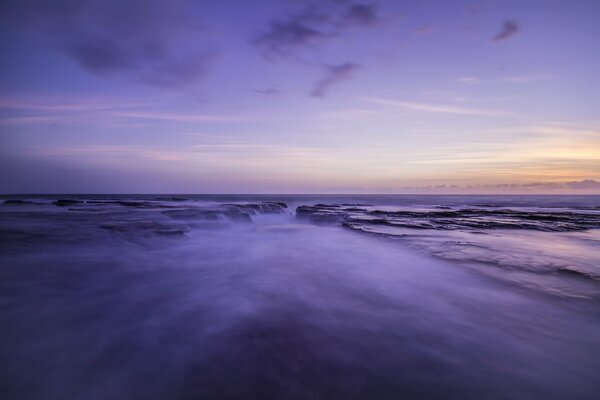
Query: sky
x: 282, y: 96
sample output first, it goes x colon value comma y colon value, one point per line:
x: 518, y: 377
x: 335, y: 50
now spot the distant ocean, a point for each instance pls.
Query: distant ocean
x: 299, y: 296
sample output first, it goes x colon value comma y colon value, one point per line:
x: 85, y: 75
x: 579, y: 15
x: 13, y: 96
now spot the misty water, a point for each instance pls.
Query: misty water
x: 353, y: 297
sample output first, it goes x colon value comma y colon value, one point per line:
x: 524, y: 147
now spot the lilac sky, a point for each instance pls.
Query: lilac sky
x: 265, y: 96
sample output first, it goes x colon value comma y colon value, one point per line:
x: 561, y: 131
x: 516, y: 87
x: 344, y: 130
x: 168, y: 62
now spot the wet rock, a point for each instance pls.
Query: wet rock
x: 130, y: 203
x: 17, y: 202
x: 194, y: 214
x: 144, y: 227
x: 259, y: 208
x: 319, y: 215
x: 238, y: 216
x: 232, y: 212
x: 170, y: 199
x: 137, y: 204
x: 452, y: 219
x: 66, y: 202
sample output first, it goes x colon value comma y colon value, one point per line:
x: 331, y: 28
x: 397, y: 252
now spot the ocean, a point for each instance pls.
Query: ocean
x: 299, y: 297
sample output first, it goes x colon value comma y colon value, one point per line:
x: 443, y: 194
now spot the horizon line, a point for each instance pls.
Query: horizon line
x: 298, y: 194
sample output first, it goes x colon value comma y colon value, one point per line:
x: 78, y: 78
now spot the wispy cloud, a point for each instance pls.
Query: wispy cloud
x: 28, y: 120
x: 270, y: 91
x: 424, y: 29
x: 282, y: 36
x: 147, y: 39
x: 174, y: 117
x: 333, y: 75
x: 435, y: 108
x: 471, y: 80
x: 112, y: 152
x: 474, y: 80
x: 510, y: 27
x: 57, y: 103
x: 585, y: 186
x: 361, y: 14
x: 582, y: 185
x: 528, y: 78
x: 58, y: 110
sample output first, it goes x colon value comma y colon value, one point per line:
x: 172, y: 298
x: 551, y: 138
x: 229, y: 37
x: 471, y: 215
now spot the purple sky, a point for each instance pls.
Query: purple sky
x: 270, y: 96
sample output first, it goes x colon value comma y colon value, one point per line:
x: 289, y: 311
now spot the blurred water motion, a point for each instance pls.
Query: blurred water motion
x: 189, y: 299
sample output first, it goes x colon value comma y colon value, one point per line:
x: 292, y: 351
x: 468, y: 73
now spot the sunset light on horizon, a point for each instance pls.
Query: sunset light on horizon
x: 300, y: 97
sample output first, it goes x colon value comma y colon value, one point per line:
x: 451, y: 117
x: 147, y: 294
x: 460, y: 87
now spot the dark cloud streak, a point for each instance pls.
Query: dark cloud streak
x: 509, y: 28
x: 334, y: 75
x: 313, y: 25
x: 361, y: 14
x: 145, y: 39
x: 269, y: 91
x: 282, y: 36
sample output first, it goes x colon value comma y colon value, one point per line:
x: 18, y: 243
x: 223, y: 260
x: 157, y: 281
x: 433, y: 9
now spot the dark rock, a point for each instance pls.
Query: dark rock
x: 170, y: 199
x: 66, y: 202
x: 238, y: 216
x: 17, y: 202
x: 144, y: 227
x: 450, y: 219
x: 320, y: 215
x: 193, y: 213
x: 137, y: 204
x: 130, y: 203
x: 259, y: 208
x: 327, y: 205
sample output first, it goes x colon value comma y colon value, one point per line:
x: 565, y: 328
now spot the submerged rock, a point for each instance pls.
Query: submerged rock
x: 321, y: 215
x: 238, y: 216
x: 66, y: 202
x: 17, y: 202
x: 259, y: 208
x: 144, y: 227
x: 232, y: 212
x: 451, y: 219
x: 170, y: 199
x: 193, y: 213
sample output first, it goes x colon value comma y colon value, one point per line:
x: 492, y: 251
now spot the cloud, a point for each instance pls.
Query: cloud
x: 282, y: 36
x: 105, y: 111
x: 61, y: 103
x: 509, y: 28
x: 174, y: 117
x: 310, y: 26
x: 435, y: 108
x: 28, y: 120
x: 333, y: 75
x: 528, y: 78
x: 270, y: 91
x: 186, y: 69
x: 155, y: 41
x: 583, y: 186
x: 361, y: 14
x: 424, y: 29
x: 471, y: 80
